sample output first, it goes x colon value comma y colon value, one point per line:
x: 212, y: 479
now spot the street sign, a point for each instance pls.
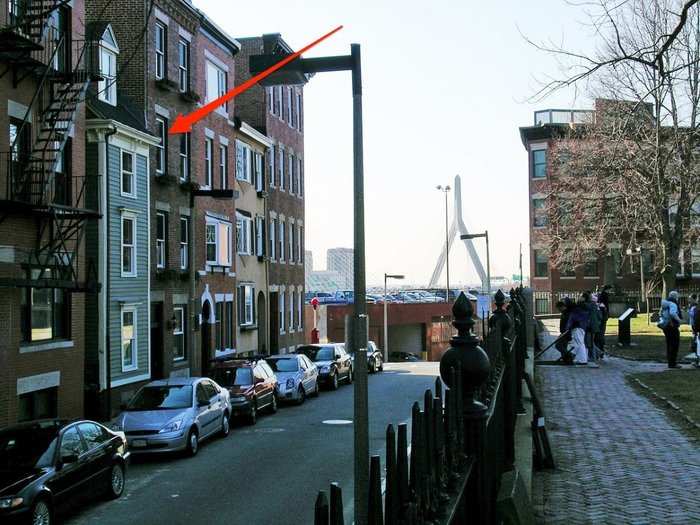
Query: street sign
x: 517, y: 277
x: 483, y: 306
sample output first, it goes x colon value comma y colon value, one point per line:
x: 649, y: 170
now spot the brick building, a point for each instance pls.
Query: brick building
x: 44, y: 275
x: 278, y: 113
x: 614, y: 266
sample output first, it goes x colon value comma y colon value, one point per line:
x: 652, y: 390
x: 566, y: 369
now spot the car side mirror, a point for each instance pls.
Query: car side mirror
x: 69, y: 458
x: 337, y: 356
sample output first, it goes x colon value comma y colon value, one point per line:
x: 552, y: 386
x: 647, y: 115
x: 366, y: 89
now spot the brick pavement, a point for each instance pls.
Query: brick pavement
x: 619, y: 458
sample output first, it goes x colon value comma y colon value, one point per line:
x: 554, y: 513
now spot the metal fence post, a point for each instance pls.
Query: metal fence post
x: 391, y: 499
x: 321, y: 509
x: 374, y: 510
x: 336, y: 505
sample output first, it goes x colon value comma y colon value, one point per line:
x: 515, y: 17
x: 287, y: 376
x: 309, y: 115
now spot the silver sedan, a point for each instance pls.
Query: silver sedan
x: 297, y: 376
x: 174, y: 414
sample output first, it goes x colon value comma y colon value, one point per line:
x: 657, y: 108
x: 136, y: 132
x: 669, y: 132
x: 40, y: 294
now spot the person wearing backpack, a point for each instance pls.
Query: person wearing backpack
x: 577, y: 324
x: 670, y: 322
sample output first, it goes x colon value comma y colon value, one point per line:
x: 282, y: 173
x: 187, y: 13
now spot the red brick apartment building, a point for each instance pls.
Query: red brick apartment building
x: 614, y: 267
x: 44, y: 277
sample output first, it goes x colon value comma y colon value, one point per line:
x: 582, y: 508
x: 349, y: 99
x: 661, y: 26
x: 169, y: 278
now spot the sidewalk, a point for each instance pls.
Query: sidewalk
x: 619, y: 459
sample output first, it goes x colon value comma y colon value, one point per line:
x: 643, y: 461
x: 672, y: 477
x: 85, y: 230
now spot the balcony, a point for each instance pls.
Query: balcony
x: 564, y: 116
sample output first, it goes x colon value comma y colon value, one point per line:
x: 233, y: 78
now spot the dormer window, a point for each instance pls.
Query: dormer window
x: 107, y: 87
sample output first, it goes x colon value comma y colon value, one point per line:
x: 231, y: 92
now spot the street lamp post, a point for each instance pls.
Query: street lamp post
x: 446, y: 190
x: 488, y: 256
x: 296, y: 72
x: 386, y: 323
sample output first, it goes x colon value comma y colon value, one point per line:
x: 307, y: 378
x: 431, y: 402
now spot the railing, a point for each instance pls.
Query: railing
x: 564, y: 116
x: 461, y: 439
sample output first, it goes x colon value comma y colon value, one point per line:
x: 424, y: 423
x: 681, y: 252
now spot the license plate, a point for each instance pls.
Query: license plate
x: 136, y: 443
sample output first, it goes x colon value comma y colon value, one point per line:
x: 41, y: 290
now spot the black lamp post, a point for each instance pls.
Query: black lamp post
x: 295, y: 72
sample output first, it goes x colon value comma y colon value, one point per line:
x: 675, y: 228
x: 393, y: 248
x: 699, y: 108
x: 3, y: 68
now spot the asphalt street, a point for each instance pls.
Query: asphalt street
x: 269, y: 473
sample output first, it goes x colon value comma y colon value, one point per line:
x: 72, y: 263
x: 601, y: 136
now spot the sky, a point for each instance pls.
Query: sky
x: 446, y: 84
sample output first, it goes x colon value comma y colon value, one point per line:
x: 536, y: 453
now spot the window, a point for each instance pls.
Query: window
x: 539, y: 163
x: 161, y: 50
x: 259, y: 173
x: 218, y: 326
x: 93, y: 435
x: 244, y: 234
x: 128, y: 331
x: 300, y: 310
x: 107, y: 87
x: 292, y: 307
x: 300, y: 175
x: 695, y: 261
x: 184, y: 243
x: 271, y: 164
x: 127, y: 170
x: 268, y: 93
x: 45, y: 312
x: 184, y: 156
x: 277, y: 90
x: 40, y: 404
x: 243, y: 162
x: 281, y: 312
x: 541, y: 263
x: 218, y: 242
x: 128, y: 246
x: 300, y: 236
x: 273, y: 239
x: 291, y: 235
x: 295, y: 108
x: 224, y: 325
x: 539, y: 217
x: 179, y: 341
x: 541, y: 306
x: 590, y: 266
x: 216, y: 84
x: 259, y: 236
x: 183, y: 65
x: 208, y: 168
x: 161, y: 147
x: 223, y: 166
x: 292, y: 174
x: 299, y: 127
x: 281, y: 239
x: 71, y: 444
x: 161, y: 236
x: 246, y: 309
x: 280, y: 164
x: 289, y: 106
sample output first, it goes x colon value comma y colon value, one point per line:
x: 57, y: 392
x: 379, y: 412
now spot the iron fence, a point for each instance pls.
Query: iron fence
x: 462, y: 438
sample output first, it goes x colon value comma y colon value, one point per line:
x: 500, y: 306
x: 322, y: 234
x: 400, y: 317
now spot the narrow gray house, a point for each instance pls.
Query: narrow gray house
x: 117, y: 318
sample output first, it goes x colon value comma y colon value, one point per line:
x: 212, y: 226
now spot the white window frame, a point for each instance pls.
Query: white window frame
x: 300, y: 310
x: 107, y: 87
x: 289, y: 105
x: 280, y: 238
x: 290, y: 172
x: 243, y: 164
x: 259, y: 236
x: 282, y: 312
x: 185, y: 158
x: 134, y: 365
x: 161, y: 255
x: 123, y: 172
x: 280, y: 165
x: 271, y: 153
x: 300, y: 259
x: 161, y: 148
x: 134, y: 268
x: 208, y: 162
x: 179, y: 313
x: 292, y: 307
x: 258, y: 171
x: 298, y: 104
x: 247, y: 305
x: 280, y: 112
x: 183, y: 69
x: 223, y: 166
x: 218, y: 226
x: 161, y: 64
x: 290, y: 240
x: 301, y: 178
x: 212, y: 93
x: 273, y: 238
x: 244, y: 237
x: 184, y: 246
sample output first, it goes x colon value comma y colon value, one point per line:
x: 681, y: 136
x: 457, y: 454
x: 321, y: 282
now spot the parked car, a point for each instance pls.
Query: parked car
x: 297, y: 376
x: 47, y: 464
x: 251, y: 383
x: 375, y: 358
x: 403, y: 356
x: 333, y: 362
x: 175, y: 414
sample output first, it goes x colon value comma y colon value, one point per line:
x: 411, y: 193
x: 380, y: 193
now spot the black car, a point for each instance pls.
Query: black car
x: 403, y: 356
x: 375, y: 358
x: 333, y: 362
x: 49, y: 463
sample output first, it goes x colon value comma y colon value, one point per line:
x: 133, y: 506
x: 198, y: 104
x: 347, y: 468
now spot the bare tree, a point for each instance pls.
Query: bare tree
x: 631, y: 174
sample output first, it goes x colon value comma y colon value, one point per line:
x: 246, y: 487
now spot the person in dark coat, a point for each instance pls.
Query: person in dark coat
x: 604, y: 303
x: 562, y: 343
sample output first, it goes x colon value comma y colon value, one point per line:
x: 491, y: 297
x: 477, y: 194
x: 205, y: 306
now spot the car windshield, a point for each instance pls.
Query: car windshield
x: 28, y: 447
x: 163, y: 397
x: 229, y: 377
x: 283, y: 365
x: 318, y: 353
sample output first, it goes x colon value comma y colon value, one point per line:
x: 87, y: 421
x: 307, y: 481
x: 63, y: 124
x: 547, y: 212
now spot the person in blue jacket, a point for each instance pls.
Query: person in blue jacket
x: 670, y: 322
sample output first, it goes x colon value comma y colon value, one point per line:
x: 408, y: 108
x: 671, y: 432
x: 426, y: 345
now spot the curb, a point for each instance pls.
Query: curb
x: 667, y: 402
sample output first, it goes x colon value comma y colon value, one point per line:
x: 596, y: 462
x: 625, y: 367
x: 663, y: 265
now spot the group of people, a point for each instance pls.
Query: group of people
x: 582, y: 328
x: 670, y: 319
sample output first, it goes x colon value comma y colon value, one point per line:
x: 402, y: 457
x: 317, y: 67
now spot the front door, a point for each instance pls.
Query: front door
x: 157, y: 358
x: 274, y: 323
x: 206, y: 337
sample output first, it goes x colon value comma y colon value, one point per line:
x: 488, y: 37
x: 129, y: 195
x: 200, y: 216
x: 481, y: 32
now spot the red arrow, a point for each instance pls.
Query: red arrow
x: 183, y: 123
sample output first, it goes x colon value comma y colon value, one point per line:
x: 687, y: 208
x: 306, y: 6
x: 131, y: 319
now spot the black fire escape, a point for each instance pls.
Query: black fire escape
x: 36, y: 178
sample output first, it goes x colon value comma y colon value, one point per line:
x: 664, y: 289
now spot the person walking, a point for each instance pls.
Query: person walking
x: 594, y: 322
x: 562, y: 345
x: 670, y: 322
x: 577, y: 324
x: 604, y: 304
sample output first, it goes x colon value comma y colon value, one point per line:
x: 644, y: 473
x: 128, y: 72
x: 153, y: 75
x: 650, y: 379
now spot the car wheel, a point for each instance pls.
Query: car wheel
x: 334, y: 381
x: 372, y: 366
x: 253, y: 416
x: 350, y: 376
x: 301, y: 397
x: 381, y: 366
x: 273, y: 404
x: 192, y: 442
x: 317, y: 389
x: 225, y: 425
x: 116, y: 481
x: 41, y: 512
